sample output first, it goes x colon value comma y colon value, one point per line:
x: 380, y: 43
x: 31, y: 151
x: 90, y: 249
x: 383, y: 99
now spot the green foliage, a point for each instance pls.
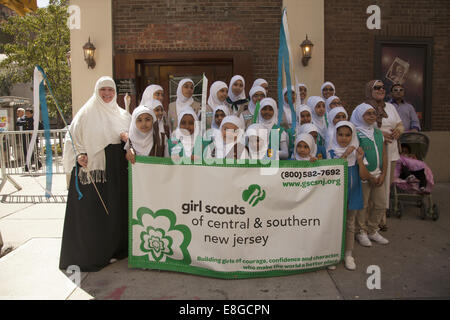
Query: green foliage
x: 41, y: 38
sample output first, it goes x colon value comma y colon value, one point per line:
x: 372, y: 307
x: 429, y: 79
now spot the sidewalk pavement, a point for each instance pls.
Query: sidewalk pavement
x: 415, y: 265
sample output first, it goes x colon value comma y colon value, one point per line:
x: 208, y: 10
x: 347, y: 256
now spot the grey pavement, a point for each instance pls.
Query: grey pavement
x: 415, y: 265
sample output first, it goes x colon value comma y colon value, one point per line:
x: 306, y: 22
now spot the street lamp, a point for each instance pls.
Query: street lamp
x: 306, y: 51
x: 89, y: 50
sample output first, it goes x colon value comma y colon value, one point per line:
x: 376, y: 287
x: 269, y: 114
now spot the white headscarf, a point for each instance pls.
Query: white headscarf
x: 155, y: 104
x: 253, y: 90
x: 268, y: 124
x: 301, y: 108
x: 96, y: 125
x: 259, y: 82
x: 360, y: 124
x: 187, y: 139
x: 216, y: 108
x: 328, y: 83
x: 213, y: 101
x: 142, y: 142
x: 231, y: 95
x: 306, y: 137
x: 307, y: 128
x: 338, y: 150
x: 320, y: 122
x: 331, y: 127
x: 286, y: 108
x: 223, y: 147
x: 147, y: 96
x: 298, y: 87
x: 257, y: 129
x: 328, y: 102
x: 182, y: 101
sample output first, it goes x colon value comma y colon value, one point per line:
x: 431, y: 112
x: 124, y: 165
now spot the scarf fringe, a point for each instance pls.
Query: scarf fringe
x: 99, y: 176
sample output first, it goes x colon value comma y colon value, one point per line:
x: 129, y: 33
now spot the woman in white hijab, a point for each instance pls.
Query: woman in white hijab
x: 236, y: 99
x: 218, y: 94
x: 185, y: 92
x: 92, y: 236
x: 327, y: 90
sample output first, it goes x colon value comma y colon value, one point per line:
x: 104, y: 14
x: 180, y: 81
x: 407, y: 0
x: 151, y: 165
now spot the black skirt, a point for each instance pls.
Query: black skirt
x: 91, y: 237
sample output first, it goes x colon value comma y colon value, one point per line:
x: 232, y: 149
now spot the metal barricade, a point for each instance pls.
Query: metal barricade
x: 13, y: 154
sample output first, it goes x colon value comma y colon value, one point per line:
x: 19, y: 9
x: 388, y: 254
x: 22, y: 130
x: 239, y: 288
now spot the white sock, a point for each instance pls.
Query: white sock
x: 348, y: 253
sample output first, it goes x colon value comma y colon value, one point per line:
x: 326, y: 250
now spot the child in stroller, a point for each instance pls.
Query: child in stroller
x: 413, y: 179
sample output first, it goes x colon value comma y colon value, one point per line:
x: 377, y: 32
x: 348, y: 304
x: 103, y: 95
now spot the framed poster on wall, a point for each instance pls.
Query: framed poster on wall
x: 407, y: 61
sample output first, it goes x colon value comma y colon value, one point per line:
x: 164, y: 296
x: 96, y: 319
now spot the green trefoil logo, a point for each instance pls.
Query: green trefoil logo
x: 253, y: 194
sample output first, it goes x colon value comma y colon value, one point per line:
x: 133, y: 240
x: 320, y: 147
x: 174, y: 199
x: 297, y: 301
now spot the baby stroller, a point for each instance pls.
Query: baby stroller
x: 413, y: 180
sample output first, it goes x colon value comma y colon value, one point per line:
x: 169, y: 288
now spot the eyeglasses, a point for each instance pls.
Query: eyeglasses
x: 328, y: 89
x: 378, y: 87
x: 397, y: 90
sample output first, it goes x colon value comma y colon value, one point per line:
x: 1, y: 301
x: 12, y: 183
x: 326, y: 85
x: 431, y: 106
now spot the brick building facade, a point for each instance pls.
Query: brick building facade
x: 350, y: 51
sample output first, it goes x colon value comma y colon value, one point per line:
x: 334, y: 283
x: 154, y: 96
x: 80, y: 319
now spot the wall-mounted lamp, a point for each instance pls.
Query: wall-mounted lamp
x: 89, y: 50
x: 69, y: 59
x: 306, y: 51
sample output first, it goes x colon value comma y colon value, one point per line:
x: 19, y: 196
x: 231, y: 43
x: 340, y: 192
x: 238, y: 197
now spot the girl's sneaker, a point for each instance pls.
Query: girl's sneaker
x: 331, y: 267
x: 349, y: 263
x: 378, y: 238
x: 363, y: 239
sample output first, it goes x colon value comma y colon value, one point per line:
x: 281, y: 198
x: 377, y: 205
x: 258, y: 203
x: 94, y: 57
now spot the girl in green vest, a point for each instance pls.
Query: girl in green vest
x: 372, y: 142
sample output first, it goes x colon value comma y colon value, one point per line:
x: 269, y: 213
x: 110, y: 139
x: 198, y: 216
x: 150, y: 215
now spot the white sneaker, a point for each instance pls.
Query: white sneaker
x: 112, y: 260
x: 350, y: 263
x: 378, y: 238
x: 331, y: 267
x: 363, y: 239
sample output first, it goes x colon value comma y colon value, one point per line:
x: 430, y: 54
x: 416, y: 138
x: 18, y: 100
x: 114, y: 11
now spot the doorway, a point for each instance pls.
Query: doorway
x: 169, y: 74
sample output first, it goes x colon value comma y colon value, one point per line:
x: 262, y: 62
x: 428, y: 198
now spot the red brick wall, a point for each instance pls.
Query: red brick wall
x: 349, y: 46
x: 201, y: 25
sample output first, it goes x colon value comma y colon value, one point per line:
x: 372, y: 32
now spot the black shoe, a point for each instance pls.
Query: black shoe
x: 383, y: 228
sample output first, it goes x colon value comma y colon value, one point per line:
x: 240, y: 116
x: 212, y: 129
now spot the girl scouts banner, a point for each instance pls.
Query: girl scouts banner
x: 234, y: 222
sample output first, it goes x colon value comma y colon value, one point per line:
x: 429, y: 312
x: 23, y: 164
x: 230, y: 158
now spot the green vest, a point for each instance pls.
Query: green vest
x: 374, y: 159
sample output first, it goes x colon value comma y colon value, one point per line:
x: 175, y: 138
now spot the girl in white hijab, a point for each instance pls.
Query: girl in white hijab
x: 185, y: 90
x: 268, y: 113
x: 305, y: 148
x: 149, y: 95
x: 256, y: 141
x: 217, y: 97
x: 313, y: 131
x: 236, y: 95
x: 286, y: 122
x: 317, y: 106
x: 332, y: 102
x: 161, y: 121
x: 335, y: 116
x: 257, y: 93
x: 261, y: 83
x: 303, y: 91
x: 371, y: 140
x: 186, y: 134
x: 345, y: 145
x: 229, y: 141
x: 141, y: 134
x: 219, y: 113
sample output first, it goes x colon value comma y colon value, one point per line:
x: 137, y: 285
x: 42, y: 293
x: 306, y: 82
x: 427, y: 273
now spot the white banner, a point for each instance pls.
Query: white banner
x: 234, y: 222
